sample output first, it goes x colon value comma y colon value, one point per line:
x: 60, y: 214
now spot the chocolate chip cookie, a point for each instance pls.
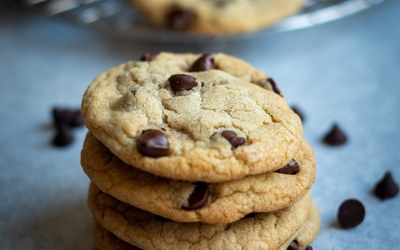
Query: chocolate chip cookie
x: 186, y: 117
x: 147, y: 231
x: 190, y: 202
x: 216, y: 17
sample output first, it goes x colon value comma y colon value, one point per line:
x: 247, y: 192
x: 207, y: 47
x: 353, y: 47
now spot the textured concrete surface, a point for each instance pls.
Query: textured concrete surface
x: 345, y: 71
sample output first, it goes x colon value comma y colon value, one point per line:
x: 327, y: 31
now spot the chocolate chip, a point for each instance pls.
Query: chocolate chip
x: 63, y: 136
x: 203, y: 63
x: 351, y: 213
x: 179, y: 18
x: 386, y: 188
x: 298, y: 112
x: 70, y: 117
x: 146, y: 57
x: 181, y: 82
x: 291, y: 168
x: 274, y: 86
x: 231, y: 136
x: 308, y: 248
x: 199, y: 198
x: 335, y: 137
x: 294, y: 245
x: 153, y: 143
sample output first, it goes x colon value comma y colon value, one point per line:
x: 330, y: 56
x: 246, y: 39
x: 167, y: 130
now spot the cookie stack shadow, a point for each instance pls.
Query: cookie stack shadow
x: 242, y: 183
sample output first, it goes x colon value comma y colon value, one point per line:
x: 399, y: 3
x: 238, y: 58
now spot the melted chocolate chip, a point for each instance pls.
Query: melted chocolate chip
x: 294, y: 245
x: 182, y: 82
x: 298, y: 112
x: 335, y: 137
x: 203, y: 63
x: 199, y: 197
x: 291, y: 168
x: 179, y: 18
x: 153, y: 143
x: 351, y: 213
x: 274, y: 86
x: 233, y: 139
x: 63, y: 136
x: 386, y: 188
x: 146, y: 57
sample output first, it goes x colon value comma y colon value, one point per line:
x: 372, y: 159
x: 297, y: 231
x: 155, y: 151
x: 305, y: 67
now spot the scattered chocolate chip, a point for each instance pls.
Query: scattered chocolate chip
x: 274, y: 86
x: 351, y: 213
x: 179, y: 18
x: 146, y: 57
x: 199, y: 198
x: 298, y: 112
x: 231, y: 136
x: 153, y: 143
x: 291, y: 168
x: 63, y: 136
x: 335, y: 137
x: 308, y: 248
x: 203, y: 63
x: 386, y: 188
x: 70, y: 117
x: 294, y: 245
x: 181, y: 82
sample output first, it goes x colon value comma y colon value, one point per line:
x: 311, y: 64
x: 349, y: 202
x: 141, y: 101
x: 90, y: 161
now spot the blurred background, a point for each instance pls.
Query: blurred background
x: 339, y: 66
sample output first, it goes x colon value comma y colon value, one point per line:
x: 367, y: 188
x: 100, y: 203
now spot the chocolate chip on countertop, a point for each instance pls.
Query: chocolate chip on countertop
x: 70, y: 117
x: 232, y: 137
x: 153, y: 143
x: 351, y: 213
x: 298, y: 112
x: 199, y: 197
x: 294, y: 245
x: 203, y: 63
x: 291, y: 168
x: 308, y: 248
x: 63, y: 136
x: 146, y: 57
x: 274, y: 86
x: 181, y: 82
x: 335, y: 137
x: 179, y: 18
x: 386, y: 188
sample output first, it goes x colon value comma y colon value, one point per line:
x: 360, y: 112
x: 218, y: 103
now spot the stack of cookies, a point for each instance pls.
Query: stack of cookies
x: 190, y: 151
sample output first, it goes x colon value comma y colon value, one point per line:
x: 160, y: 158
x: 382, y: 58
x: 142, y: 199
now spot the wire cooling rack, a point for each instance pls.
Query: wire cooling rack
x: 118, y: 18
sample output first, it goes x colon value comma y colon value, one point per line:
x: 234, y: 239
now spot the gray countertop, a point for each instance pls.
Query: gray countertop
x: 345, y: 71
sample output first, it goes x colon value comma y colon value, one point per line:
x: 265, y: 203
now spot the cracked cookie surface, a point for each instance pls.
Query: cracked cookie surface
x: 128, y: 100
x: 147, y: 231
x: 216, y: 17
x: 230, y: 200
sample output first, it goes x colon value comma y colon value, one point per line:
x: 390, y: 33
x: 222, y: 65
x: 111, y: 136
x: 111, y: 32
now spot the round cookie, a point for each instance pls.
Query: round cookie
x: 216, y: 17
x: 227, y: 202
x: 147, y: 231
x: 203, y: 126
x: 308, y: 231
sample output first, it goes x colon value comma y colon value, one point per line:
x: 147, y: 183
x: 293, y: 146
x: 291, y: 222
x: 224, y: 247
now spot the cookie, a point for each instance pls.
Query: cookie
x: 227, y: 201
x: 209, y: 126
x: 147, y: 231
x: 216, y: 17
x: 308, y: 231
